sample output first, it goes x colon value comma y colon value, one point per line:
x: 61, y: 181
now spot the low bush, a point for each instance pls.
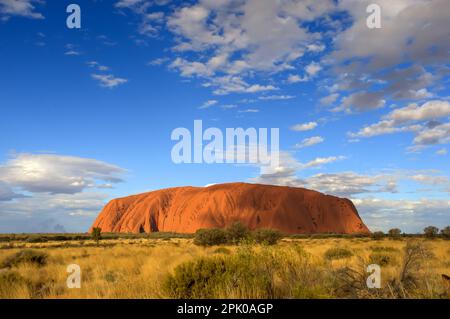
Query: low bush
x: 210, y: 237
x: 337, y: 253
x: 381, y: 259
x: 27, y: 256
x: 235, y: 234
x: 378, y: 235
x: 266, y: 236
x: 250, y: 273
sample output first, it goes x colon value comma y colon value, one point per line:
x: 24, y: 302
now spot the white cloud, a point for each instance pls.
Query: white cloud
x: 411, y: 216
x: 95, y: 64
x: 408, y: 118
x: 158, y: 61
x: 413, y: 113
x: 304, y: 126
x: 330, y: 99
x: 277, y: 97
x: 56, y: 174
x: 310, y: 141
x: 439, y: 134
x: 313, y: 68
x: 47, y: 213
x: 442, y: 151
x: 208, y: 104
x: 294, y: 78
x: 351, y: 183
x: 108, y: 80
x: 23, y: 8
x: 423, y: 45
x: 229, y: 106
x: 249, y: 111
x: 235, y: 34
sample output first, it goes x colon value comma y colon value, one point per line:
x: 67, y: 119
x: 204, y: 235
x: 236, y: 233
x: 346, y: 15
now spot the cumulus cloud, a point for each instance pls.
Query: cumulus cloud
x: 304, y: 126
x: 45, y: 212
x: 414, y: 118
x: 235, y: 34
x: 310, y: 141
x: 413, y: 113
x: 329, y: 99
x: 22, y: 8
x: 286, y: 173
x: 108, y: 80
x: 56, y: 174
x: 411, y: 216
x: 439, y: 134
x: 402, y: 59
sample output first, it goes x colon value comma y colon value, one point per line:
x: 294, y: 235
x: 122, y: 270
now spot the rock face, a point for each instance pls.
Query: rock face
x: 186, y: 209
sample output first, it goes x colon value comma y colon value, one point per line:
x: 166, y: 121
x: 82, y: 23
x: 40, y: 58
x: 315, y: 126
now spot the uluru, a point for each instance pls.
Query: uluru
x: 290, y: 210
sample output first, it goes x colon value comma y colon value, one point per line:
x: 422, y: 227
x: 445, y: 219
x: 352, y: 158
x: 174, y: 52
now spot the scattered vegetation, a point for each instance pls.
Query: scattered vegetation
x: 266, y: 236
x: 210, y: 237
x: 27, y: 256
x: 235, y: 234
x: 146, y: 267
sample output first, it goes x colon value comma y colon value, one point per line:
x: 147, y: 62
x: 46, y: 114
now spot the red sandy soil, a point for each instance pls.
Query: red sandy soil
x: 185, y: 209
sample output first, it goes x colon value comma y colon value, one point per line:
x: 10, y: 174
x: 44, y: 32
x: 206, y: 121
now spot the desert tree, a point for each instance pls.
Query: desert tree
x: 377, y: 235
x: 430, y: 231
x: 445, y: 232
x: 96, y: 234
x: 394, y: 233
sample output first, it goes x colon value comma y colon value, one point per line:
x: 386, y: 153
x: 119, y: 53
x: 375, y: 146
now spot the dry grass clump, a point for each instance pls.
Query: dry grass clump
x: 337, y: 253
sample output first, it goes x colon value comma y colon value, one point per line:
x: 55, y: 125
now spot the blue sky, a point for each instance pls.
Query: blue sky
x: 87, y: 114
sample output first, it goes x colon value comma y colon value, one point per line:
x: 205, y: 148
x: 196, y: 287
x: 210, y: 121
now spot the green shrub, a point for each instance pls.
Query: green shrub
x: 266, y: 236
x: 394, y: 233
x: 430, y: 231
x: 338, y: 253
x: 445, y: 232
x: 210, y: 237
x: 377, y: 235
x: 236, y: 233
x: 27, y: 256
x: 196, y: 279
x: 249, y: 273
